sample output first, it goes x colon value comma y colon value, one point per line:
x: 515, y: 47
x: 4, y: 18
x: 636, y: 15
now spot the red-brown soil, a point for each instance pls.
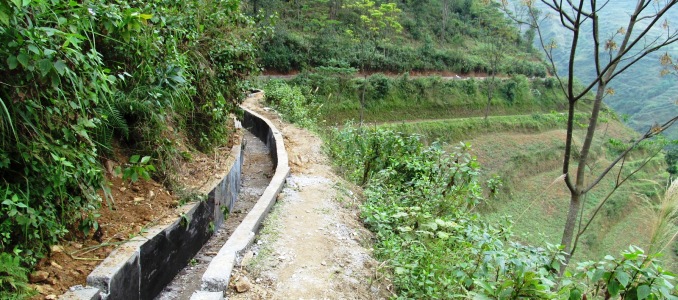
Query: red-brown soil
x: 133, y: 208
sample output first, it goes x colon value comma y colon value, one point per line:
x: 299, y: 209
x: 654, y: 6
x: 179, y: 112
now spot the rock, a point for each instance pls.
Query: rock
x: 110, y: 167
x: 243, y: 285
x: 77, y: 245
x: 247, y: 258
x: 43, y: 289
x: 135, y: 188
x: 323, y: 263
x: 51, y: 297
x: 122, y: 189
x: 57, y: 249
x: 138, y: 200
x: 56, y: 265
x: 51, y: 281
x: 38, y: 276
x: 151, y: 195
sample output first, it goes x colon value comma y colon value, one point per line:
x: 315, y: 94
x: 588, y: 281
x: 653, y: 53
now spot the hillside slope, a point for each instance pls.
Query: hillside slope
x: 455, y: 36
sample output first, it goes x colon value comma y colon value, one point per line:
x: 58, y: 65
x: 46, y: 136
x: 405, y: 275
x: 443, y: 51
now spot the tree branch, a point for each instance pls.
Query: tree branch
x: 655, y: 130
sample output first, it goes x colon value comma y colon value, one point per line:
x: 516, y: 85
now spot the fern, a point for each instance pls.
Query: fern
x: 13, y: 278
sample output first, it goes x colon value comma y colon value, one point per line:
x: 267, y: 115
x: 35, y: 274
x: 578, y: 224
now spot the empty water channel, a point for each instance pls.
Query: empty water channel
x: 257, y: 170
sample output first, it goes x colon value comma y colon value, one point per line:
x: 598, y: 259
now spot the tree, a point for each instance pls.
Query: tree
x: 612, y: 55
x: 494, y: 54
x: 376, y: 24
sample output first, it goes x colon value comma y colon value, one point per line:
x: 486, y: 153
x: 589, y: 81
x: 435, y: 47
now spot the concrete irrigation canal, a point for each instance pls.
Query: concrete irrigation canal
x: 193, y: 257
x: 257, y: 170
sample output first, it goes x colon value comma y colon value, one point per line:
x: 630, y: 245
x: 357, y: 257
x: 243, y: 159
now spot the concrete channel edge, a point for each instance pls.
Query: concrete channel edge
x: 140, y: 268
x: 218, y: 273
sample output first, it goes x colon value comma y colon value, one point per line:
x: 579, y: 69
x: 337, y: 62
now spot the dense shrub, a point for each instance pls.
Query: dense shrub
x: 76, y: 76
x: 291, y: 103
x: 420, y: 204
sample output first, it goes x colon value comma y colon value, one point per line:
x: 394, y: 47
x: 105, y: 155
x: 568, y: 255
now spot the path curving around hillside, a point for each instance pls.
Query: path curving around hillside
x: 312, y: 245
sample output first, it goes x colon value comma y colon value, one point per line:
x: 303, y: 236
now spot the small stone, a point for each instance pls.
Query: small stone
x: 217, y: 176
x: 122, y: 189
x: 38, y: 276
x: 151, y: 195
x: 51, y: 281
x: 77, y: 245
x: 76, y: 287
x: 51, y: 297
x: 323, y: 263
x: 44, y: 289
x: 135, y: 188
x: 138, y: 200
x: 282, y: 258
x: 247, y: 258
x: 243, y: 285
x: 57, y: 249
x: 56, y: 265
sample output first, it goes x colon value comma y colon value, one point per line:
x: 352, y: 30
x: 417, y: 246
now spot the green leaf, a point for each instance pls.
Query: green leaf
x: 12, y: 62
x: 60, y: 67
x: 23, y: 59
x: 145, y: 16
x: 145, y: 159
x: 5, y: 12
x: 134, y: 158
x: 44, y: 65
x: 622, y: 277
x: 614, y: 288
x: 643, y: 292
x: 33, y: 49
x: 597, y: 275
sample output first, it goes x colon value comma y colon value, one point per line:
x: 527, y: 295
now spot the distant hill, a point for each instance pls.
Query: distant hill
x: 641, y: 93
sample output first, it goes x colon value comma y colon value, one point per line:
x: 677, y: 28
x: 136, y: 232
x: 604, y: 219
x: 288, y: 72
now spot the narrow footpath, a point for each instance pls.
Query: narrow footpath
x: 312, y: 245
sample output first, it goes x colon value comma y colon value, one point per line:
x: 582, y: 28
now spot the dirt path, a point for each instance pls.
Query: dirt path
x: 312, y: 246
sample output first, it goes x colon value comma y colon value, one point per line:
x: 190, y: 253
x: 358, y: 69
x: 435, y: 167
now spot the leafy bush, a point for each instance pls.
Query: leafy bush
x: 77, y: 76
x: 420, y: 202
x: 291, y: 103
x: 13, y: 279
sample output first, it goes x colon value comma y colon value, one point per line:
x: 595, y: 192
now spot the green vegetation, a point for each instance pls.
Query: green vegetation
x: 81, y: 81
x: 420, y: 202
x: 291, y: 103
x: 414, y: 98
x: 436, y: 35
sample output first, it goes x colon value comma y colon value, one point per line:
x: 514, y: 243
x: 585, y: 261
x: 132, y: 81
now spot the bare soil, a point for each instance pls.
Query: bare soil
x: 132, y: 208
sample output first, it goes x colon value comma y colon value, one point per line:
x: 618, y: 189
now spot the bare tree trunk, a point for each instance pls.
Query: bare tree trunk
x: 362, y: 100
x: 568, y: 231
x: 445, y: 14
